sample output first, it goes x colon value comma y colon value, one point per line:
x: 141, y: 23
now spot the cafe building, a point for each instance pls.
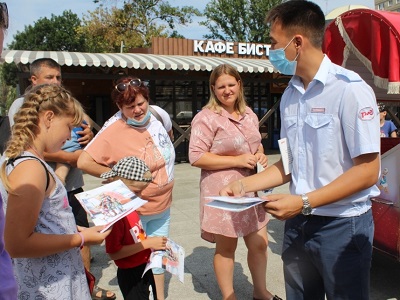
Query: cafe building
x: 178, y: 71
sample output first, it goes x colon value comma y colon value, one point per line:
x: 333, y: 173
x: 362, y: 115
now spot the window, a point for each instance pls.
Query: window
x: 381, y: 6
x: 390, y: 3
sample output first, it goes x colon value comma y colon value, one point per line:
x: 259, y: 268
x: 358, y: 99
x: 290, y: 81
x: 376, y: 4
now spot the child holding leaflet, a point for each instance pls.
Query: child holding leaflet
x: 127, y: 243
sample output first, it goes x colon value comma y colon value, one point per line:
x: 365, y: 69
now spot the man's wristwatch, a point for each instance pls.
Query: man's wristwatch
x: 307, y: 209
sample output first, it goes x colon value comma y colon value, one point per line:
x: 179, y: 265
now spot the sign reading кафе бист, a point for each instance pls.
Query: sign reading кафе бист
x: 244, y: 49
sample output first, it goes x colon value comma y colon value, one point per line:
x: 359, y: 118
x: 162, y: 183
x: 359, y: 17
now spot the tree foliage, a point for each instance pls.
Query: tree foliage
x: 7, y: 92
x: 238, y: 20
x: 9, y: 74
x: 134, y: 24
x: 59, y: 33
x: 102, y: 30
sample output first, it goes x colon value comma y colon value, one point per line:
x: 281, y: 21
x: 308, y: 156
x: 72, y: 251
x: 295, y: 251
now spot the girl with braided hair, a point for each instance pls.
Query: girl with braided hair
x: 40, y: 231
x: 8, y: 286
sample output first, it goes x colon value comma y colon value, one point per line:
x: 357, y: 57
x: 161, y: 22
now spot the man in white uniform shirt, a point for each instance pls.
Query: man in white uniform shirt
x: 330, y: 122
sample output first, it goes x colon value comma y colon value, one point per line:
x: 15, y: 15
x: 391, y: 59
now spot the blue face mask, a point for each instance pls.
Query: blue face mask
x: 142, y: 123
x: 281, y: 63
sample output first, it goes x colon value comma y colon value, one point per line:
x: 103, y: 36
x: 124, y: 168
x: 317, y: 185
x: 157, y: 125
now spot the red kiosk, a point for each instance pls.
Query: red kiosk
x: 368, y: 42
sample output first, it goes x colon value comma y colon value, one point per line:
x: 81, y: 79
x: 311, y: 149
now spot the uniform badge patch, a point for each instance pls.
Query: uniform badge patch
x: 366, y: 114
x: 320, y: 110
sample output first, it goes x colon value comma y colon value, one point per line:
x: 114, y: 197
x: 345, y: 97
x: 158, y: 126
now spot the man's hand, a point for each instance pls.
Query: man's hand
x: 283, y: 206
x: 87, y: 135
x: 235, y: 188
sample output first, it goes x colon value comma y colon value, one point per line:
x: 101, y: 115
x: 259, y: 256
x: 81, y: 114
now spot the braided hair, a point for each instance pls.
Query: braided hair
x: 41, y: 98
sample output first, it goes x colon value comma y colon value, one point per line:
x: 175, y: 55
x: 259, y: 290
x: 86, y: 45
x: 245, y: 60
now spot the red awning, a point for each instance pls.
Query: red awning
x: 373, y: 36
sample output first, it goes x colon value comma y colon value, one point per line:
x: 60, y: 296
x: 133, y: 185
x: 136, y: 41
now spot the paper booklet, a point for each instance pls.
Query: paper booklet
x: 109, y: 203
x: 286, y: 154
x: 233, y: 203
x: 171, y: 260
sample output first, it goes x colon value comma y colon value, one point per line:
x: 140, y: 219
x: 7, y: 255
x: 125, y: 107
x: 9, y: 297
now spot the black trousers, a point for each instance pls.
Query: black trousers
x: 133, y: 286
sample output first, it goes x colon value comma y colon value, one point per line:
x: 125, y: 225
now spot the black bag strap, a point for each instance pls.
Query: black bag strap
x: 12, y: 160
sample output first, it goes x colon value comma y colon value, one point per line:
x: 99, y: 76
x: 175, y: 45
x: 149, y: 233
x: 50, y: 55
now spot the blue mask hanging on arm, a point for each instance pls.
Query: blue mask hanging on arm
x: 281, y: 63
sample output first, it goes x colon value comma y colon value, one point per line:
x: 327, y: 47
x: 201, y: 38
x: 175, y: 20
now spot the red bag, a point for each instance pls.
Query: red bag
x: 91, y: 280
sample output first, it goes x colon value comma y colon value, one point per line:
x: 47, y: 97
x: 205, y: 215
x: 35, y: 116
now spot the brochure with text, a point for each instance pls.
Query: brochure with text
x: 286, y: 155
x: 109, y: 203
x: 171, y: 260
x: 233, y: 203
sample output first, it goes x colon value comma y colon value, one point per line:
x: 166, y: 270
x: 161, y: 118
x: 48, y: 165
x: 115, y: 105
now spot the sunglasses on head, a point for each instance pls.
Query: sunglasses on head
x: 121, y: 87
x: 3, y: 15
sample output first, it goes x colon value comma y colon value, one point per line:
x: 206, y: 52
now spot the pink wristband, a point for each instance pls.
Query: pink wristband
x: 83, y: 239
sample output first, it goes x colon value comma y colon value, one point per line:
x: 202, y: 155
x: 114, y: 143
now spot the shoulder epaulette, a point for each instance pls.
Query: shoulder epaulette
x: 348, y: 75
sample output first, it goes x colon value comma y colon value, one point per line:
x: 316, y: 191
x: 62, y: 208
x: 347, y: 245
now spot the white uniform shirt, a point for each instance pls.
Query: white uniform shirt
x: 334, y: 120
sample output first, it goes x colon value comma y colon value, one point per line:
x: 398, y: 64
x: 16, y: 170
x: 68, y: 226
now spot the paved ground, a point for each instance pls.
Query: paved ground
x: 199, y: 282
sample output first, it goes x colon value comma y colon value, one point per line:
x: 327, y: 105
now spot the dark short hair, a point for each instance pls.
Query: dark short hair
x: 381, y: 107
x: 130, y: 94
x: 300, y: 17
x: 37, y: 64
